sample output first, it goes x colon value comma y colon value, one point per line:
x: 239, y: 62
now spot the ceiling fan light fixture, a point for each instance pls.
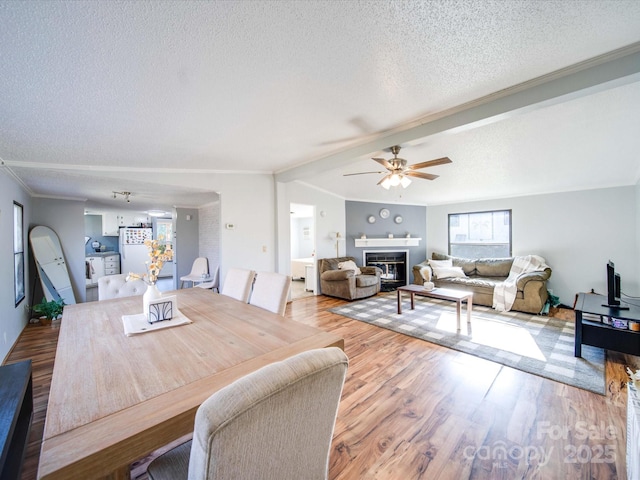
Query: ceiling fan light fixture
x: 405, y: 181
x: 395, y: 179
x: 386, y: 182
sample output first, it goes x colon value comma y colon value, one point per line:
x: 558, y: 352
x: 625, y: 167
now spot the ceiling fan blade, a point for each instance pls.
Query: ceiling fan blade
x: 359, y: 173
x: 430, y: 163
x: 426, y: 176
x: 385, y: 163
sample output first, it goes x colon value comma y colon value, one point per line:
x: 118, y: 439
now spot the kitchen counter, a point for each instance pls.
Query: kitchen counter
x: 101, y: 254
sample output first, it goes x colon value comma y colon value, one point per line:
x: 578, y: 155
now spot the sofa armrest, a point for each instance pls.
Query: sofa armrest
x: 525, y: 278
x: 336, y: 275
x: 371, y: 271
x: 422, y: 273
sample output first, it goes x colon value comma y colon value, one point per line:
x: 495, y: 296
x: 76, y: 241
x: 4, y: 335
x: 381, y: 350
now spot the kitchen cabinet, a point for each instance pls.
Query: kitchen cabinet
x: 101, y: 264
x: 112, y: 221
x: 112, y: 264
x: 95, y: 269
x: 110, y: 225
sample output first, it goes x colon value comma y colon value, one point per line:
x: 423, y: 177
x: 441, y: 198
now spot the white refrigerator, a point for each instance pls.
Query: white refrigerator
x: 133, y: 253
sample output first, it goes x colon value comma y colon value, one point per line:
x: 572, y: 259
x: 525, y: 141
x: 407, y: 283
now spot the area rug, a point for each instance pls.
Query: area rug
x: 535, y: 344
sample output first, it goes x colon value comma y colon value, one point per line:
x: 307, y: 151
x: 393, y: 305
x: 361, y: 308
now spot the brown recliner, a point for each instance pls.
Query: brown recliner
x: 345, y: 283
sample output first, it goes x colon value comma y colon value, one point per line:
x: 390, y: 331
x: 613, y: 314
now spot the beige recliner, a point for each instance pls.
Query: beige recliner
x: 347, y: 284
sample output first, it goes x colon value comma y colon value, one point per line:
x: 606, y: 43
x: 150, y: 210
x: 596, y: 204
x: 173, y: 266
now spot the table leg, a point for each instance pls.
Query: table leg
x: 578, y: 339
x: 469, y: 307
x: 121, y: 474
x: 399, y: 302
x: 458, y: 312
x: 413, y: 301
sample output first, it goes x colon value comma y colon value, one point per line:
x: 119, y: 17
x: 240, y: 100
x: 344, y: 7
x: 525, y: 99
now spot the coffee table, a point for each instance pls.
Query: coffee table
x: 457, y: 296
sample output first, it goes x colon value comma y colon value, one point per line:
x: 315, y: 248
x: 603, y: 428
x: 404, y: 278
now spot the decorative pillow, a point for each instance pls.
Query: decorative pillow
x: 448, y: 272
x: 441, y: 263
x: 349, y: 265
x: 426, y: 273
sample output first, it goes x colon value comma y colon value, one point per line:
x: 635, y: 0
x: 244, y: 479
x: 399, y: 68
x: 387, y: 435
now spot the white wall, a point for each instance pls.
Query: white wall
x: 637, y: 206
x: 12, y: 318
x: 66, y: 218
x: 576, y: 232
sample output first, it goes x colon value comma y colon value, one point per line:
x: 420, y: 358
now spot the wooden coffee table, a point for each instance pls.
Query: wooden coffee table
x: 457, y: 296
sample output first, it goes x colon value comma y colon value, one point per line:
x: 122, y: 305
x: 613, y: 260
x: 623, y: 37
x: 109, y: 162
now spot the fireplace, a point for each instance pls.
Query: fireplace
x: 394, y: 266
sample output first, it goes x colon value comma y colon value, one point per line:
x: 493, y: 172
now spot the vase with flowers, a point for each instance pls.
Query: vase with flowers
x: 159, y: 253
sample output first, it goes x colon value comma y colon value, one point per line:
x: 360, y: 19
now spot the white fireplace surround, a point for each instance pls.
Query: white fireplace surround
x: 388, y: 242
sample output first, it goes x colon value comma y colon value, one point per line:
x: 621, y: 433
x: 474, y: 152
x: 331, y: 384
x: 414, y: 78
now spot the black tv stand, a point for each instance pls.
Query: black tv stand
x: 594, y: 331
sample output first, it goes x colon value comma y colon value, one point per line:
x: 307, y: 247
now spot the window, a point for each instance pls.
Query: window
x: 480, y: 234
x: 18, y: 253
x: 165, y: 229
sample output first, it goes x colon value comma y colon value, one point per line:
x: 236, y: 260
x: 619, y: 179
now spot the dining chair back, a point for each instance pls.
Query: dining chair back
x: 214, y: 284
x: 275, y: 423
x: 116, y: 286
x: 237, y: 284
x: 271, y: 291
x: 199, y: 269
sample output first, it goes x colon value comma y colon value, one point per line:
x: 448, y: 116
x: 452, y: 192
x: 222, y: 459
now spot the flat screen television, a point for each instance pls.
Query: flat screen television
x: 613, y: 289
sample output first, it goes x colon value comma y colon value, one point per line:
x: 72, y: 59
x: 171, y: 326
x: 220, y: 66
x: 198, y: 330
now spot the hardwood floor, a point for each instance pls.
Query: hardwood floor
x: 414, y: 410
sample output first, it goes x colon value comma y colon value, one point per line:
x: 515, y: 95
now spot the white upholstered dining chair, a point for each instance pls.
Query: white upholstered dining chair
x: 273, y: 424
x: 237, y: 284
x: 117, y: 286
x: 199, y: 268
x: 214, y: 284
x: 271, y: 291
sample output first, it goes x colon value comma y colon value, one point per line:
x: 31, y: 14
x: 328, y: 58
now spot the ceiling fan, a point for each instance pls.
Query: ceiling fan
x: 398, y: 172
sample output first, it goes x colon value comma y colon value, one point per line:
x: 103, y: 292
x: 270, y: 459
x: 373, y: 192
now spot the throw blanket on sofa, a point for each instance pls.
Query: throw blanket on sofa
x: 504, y: 294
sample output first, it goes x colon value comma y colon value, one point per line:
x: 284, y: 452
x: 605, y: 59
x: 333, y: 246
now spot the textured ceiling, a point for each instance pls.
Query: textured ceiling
x: 103, y: 90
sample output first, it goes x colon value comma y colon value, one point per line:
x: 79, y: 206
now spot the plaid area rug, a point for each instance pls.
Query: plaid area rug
x: 532, y: 343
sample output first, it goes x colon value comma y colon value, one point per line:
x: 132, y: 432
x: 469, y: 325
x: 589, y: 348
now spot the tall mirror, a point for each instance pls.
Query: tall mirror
x: 50, y: 265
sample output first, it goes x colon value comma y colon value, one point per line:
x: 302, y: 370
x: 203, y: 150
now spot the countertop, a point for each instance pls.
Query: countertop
x: 101, y: 254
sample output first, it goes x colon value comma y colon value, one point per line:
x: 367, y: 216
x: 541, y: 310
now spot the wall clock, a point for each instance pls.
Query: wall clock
x: 371, y: 219
x: 398, y: 219
x: 384, y: 213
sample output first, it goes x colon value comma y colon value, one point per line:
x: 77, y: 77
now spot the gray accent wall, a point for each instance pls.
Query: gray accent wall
x: 414, y: 222
x: 209, y: 234
x: 186, y: 241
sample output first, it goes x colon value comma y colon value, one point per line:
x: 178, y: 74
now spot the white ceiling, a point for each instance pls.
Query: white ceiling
x: 95, y: 93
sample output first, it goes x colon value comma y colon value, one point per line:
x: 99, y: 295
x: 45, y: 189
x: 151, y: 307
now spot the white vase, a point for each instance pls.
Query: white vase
x: 152, y: 293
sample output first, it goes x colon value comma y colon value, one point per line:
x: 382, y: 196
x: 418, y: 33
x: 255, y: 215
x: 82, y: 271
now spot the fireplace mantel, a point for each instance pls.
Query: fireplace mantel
x: 388, y: 242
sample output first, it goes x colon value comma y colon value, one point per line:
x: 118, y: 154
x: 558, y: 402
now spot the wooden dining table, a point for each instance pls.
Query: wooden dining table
x: 116, y: 398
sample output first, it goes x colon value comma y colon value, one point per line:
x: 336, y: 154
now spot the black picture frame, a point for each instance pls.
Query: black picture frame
x: 18, y: 252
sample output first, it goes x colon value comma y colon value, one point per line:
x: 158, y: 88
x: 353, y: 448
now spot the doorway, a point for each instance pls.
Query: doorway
x: 303, y: 250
